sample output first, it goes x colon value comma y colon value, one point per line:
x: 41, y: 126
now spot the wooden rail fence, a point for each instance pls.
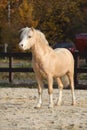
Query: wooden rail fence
x: 11, y: 69
x: 78, y: 69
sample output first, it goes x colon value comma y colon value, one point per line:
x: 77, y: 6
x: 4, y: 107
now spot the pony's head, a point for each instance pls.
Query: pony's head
x: 30, y: 36
x: 27, y: 38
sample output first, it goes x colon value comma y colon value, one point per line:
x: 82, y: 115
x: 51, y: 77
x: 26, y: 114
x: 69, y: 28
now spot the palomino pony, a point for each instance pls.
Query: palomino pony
x: 48, y: 63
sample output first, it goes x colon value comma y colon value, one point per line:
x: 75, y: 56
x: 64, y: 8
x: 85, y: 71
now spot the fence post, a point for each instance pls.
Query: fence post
x: 10, y: 67
x: 75, y: 67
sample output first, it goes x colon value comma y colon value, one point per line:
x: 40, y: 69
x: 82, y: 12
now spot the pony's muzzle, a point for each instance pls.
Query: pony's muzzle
x: 20, y: 45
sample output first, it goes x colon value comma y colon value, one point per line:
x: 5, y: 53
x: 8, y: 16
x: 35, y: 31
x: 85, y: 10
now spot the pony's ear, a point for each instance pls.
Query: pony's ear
x: 21, y: 30
x: 32, y: 28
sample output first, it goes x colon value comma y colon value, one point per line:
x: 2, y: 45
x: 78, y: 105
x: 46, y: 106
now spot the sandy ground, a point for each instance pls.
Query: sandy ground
x: 17, y: 110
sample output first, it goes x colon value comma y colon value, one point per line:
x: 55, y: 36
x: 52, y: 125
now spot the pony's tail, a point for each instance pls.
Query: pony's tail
x: 65, y: 81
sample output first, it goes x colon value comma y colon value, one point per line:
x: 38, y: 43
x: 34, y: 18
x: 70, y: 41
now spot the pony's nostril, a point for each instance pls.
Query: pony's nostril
x: 21, y: 45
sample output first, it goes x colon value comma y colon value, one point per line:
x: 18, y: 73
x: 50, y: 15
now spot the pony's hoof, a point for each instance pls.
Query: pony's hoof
x: 74, y: 103
x: 50, y: 106
x: 58, y: 104
x: 38, y: 106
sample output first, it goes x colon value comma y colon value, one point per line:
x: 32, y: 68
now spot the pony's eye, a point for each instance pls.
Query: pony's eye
x: 29, y: 36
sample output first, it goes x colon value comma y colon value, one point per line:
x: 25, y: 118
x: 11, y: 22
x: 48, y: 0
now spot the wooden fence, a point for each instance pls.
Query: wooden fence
x: 11, y: 69
x: 77, y: 56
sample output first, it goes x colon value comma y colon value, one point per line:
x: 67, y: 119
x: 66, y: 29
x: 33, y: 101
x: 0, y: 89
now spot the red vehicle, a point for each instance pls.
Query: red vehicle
x: 81, y: 42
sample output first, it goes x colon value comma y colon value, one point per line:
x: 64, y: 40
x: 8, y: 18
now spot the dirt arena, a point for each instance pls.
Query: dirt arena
x: 17, y: 110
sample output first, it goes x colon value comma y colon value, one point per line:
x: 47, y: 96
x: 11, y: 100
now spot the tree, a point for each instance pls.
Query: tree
x: 26, y: 14
x: 58, y: 20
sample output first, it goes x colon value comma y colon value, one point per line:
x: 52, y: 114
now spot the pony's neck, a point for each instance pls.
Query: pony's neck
x: 41, y: 47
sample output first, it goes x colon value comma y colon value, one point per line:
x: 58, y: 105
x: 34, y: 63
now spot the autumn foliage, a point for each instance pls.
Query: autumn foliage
x: 59, y: 20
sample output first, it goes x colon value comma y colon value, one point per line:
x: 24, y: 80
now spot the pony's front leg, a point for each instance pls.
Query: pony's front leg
x: 50, y: 91
x: 40, y: 87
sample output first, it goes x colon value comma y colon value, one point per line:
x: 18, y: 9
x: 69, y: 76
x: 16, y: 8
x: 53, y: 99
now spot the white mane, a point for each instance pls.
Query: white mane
x: 42, y: 36
x: 25, y: 31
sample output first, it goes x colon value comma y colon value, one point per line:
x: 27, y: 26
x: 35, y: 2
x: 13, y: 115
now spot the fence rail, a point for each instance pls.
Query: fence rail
x: 11, y: 69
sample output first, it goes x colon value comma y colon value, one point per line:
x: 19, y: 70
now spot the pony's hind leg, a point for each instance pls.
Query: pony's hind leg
x: 71, y: 79
x: 59, y: 101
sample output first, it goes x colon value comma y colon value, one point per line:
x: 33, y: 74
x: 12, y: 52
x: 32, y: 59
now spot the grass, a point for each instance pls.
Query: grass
x: 82, y: 76
x: 16, y: 63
